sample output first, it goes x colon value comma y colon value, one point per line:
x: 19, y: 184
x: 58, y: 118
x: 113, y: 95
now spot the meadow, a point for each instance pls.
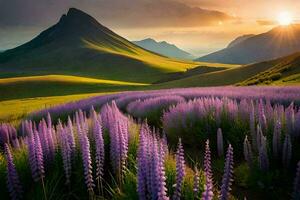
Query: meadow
x: 87, y: 114
x: 190, y: 143
x: 13, y: 111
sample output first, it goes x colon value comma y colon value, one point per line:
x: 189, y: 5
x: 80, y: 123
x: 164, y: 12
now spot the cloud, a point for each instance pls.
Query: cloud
x: 266, y: 22
x: 117, y: 13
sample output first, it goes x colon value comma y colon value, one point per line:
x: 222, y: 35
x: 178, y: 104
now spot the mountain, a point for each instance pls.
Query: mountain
x: 78, y: 45
x: 239, y: 40
x: 278, y: 42
x: 164, y: 48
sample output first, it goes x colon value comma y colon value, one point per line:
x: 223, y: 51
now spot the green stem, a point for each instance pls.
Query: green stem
x: 44, y: 189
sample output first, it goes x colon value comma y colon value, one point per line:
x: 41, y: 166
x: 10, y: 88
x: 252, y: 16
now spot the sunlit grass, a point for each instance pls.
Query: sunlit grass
x: 154, y: 60
x: 14, y: 110
x: 290, y: 80
x: 66, y: 79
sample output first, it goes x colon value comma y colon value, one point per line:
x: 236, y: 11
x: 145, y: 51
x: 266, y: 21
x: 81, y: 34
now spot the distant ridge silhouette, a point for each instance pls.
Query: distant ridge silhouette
x: 278, y: 42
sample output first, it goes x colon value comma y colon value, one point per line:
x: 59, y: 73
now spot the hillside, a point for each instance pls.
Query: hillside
x: 79, y: 45
x: 286, y: 71
x: 164, y: 48
x: 58, y: 85
x: 228, y: 76
x: 239, y: 40
x: 278, y: 42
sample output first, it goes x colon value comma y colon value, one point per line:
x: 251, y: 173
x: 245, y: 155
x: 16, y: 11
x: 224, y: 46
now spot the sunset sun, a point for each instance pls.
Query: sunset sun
x: 285, y: 18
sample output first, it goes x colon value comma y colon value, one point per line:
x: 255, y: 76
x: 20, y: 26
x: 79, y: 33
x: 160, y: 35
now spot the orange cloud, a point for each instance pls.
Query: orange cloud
x: 266, y: 22
x: 116, y: 13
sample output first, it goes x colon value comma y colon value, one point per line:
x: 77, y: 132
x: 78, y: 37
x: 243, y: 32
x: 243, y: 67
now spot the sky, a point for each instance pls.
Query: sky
x: 197, y: 26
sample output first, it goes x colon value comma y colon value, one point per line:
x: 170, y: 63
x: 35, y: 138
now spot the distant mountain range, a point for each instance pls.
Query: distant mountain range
x: 278, y: 42
x: 78, y: 45
x: 164, y: 48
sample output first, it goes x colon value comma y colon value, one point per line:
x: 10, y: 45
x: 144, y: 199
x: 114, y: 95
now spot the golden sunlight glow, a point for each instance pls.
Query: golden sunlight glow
x: 285, y: 18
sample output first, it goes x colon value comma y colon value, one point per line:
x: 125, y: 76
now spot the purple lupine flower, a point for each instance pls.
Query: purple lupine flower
x: 263, y: 155
x: 228, y: 174
x: 71, y: 137
x: 269, y: 109
x: 82, y: 129
x: 117, y: 125
x: 287, y: 151
x: 99, y: 142
x: 31, y: 154
x: 297, y: 124
x: 276, y: 139
x: 92, y: 113
x: 124, y: 139
x: 248, y: 152
x: 296, y: 192
x: 8, y: 134
x: 259, y: 136
x: 144, y: 108
x: 13, y: 182
x: 161, y: 182
x: 220, y: 142
x: 43, y: 134
x: 39, y: 156
x: 262, y: 121
x: 35, y: 156
x: 151, y: 172
x: 252, y: 125
x: 180, y: 170
x: 4, y: 134
x: 196, y: 182
x: 208, y: 187
x: 49, y: 121
x: 141, y: 163
x: 154, y: 163
x: 52, y: 142
x: 290, y: 119
x: 66, y: 152
x: 165, y: 143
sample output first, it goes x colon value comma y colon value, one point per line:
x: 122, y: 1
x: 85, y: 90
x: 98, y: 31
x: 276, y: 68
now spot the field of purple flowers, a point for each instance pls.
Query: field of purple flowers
x: 194, y: 143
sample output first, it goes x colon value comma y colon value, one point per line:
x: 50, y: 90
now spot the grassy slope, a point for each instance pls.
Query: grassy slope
x: 285, y: 71
x: 14, y: 110
x: 58, y: 85
x: 289, y: 80
x: 194, y: 71
x: 67, y: 79
x: 94, y: 63
x: 225, y: 77
x: 98, y: 61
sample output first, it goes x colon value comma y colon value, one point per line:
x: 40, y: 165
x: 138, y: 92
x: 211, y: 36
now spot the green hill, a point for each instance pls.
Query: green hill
x: 286, y: 71
x: 80, y: 46
x: 59, y: 85
x: 228, y: 76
